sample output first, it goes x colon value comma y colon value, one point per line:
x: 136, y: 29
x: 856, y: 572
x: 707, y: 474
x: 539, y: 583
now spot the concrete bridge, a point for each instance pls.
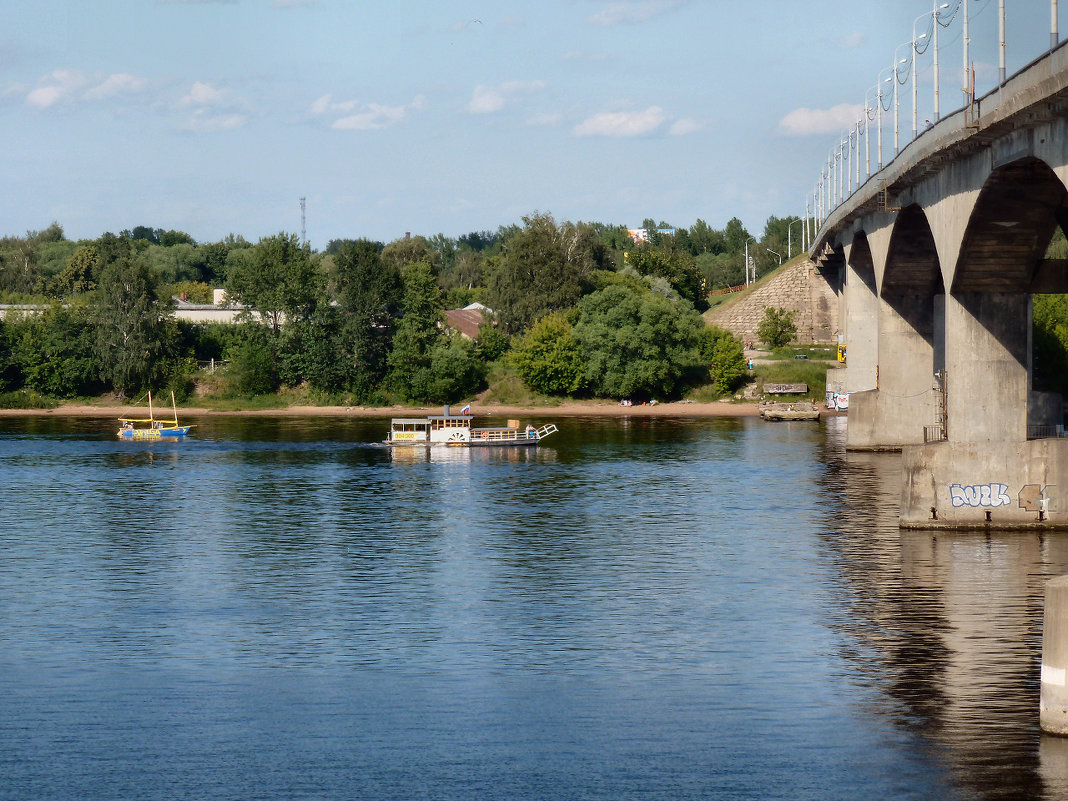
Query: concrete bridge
x: 936, y: 258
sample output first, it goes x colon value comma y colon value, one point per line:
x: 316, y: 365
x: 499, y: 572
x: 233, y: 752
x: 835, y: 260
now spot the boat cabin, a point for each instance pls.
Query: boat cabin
x: 442, y: 428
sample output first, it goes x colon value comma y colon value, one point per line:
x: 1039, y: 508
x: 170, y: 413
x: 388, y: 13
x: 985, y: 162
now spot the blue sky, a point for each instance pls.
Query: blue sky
x: 448, y: 117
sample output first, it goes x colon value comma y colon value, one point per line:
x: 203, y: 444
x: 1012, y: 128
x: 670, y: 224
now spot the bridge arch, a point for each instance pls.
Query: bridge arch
x: 988, y: 311
x: 1010, y: 227
x: 912, y: 266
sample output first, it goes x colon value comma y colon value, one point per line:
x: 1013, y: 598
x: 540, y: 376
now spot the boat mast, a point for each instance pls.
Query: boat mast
x: 174, y: 406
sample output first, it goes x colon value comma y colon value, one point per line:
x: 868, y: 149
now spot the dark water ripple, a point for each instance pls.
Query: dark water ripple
x: 641, y: 609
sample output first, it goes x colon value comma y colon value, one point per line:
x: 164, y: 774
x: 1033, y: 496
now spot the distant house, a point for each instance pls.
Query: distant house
x: 468, y: 319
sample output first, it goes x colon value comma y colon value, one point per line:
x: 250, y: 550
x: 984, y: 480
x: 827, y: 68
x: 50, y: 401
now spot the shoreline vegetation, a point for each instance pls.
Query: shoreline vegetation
x: 593, y: 408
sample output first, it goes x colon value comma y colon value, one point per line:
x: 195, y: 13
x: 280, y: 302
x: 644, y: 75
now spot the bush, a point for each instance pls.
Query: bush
x: 253, y: 369
x: 777, y: 328
x: 725, y: 356
x: 548, y: 358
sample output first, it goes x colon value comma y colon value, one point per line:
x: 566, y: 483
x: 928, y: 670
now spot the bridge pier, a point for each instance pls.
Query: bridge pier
x: 894, y: 414
x: 987, y: 472
x: 988, y: 360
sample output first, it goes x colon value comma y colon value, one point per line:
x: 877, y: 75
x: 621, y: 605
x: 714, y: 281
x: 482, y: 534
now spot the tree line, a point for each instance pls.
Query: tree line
x: 578, y: 309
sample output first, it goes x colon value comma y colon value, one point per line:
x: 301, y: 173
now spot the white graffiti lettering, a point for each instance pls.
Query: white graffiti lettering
x: 980, y: 495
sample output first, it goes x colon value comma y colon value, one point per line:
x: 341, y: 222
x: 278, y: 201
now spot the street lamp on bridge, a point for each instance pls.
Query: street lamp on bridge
x: 789, y: 242
x: 897, y: 83
x: 750, y: 239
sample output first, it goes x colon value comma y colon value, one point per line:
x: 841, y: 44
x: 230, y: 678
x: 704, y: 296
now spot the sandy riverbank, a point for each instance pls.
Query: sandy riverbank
x: 570, y: 409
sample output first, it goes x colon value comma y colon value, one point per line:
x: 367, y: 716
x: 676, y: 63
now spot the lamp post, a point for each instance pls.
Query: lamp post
x: 897, y: 96
x: 847, y: 161
x: 773, y: 253
x: 1053, y: 37
x: 915, y: 52
x: 879, y: 112
x: 934, y: 33
x: 789, y: 241
x: 856, y: 165
x: 750, y: 239
x: 867, y: 137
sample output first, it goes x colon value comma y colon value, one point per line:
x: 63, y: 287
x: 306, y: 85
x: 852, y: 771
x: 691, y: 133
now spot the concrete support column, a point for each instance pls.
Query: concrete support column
x: 894, y: 414
x: 988, y: 361
x: 861, y: 324
x: 1053, y: 704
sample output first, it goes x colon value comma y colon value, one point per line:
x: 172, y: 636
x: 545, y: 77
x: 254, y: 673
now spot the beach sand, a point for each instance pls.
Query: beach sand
x: 569, y: 409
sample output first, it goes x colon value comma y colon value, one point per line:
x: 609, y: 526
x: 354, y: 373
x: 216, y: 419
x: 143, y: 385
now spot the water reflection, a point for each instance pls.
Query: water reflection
x: 947, y: 627
x: 642, y: 608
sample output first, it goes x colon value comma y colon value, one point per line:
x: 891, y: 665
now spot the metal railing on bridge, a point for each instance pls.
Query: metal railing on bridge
x: 842, y: 173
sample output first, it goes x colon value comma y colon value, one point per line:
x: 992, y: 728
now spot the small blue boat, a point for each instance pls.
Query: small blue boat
x: 152, y: 428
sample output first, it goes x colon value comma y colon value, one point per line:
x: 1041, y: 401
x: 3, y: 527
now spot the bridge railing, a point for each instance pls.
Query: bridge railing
x: 935, y: 433
x: 842, y: 174
x: 1045, y: 432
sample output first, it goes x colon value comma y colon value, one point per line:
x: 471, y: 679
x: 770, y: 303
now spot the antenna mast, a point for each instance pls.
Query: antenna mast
x: 303, y: 234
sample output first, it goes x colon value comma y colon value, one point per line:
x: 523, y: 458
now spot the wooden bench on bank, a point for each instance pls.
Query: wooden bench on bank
x: 786, y: 389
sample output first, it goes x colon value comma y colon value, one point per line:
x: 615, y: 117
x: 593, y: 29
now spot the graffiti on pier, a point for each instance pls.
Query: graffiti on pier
x: 993, y: 495
x: 1037, y: 498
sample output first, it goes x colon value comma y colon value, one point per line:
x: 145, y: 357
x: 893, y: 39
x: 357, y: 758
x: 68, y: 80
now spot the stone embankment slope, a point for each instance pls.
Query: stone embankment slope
x: 798, y: 287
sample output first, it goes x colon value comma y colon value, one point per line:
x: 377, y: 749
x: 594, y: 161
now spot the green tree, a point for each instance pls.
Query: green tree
x: 53, y: 352
x: 1050, y: 342
x: 399, y: 253
x: 636, y: 343
x: 369, y: 293
x: 77, y: 277
x: 455, y: 371
x: 735, y: 235
x: 279, y: 280
x: 776, y: 329
x: 311, y: 350
x: 19, y: 270
x: 721, y: 270
x: 492, y: 342
x: 725, y: 356
x: 675, y: 265
x: 418, y: 331
x: 131, y: 325
x: 253, y: 368
x: 548, y: 357
x: 543, y: 268
x: 194, y: 291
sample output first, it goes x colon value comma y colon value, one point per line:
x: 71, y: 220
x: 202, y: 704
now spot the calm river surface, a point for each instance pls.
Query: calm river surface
x: 641, y: 609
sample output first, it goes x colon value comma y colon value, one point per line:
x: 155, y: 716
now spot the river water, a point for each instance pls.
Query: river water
x: 640, y: 609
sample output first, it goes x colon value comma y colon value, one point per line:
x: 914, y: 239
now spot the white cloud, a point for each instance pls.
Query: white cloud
x: 485, y: 100
x: 214, y: 109
x: 326, y: 103
x: 45, y: 96
x: 488, y: 99
x: 374, y: 118
x: 204, y: 94
x: 57, y: 86
x: 69, y: 86
x: 628, y: 12
x: 118, y: 84
x: 685, y: 126
x: 203, y: 121
x: 370, y: 117
x: 805, y: 121
x: 622, y: 123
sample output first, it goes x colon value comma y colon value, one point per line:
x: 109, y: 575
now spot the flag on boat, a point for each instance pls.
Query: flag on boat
x: 466, y: 409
